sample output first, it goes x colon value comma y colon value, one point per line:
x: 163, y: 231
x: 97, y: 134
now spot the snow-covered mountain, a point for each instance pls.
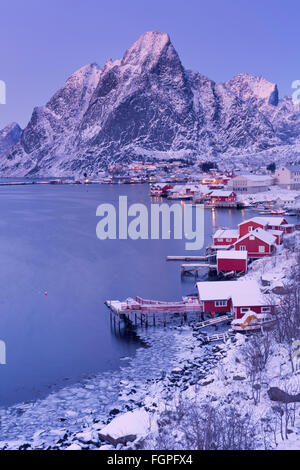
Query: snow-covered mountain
x: 147, y: 105
x: 283, y: 114
x: 9, y: 136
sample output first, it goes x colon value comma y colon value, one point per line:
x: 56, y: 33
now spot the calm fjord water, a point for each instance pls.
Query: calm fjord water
x: 48, y: 244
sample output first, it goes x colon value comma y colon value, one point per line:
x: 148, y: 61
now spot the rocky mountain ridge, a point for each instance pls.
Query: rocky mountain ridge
x: 146, y: 105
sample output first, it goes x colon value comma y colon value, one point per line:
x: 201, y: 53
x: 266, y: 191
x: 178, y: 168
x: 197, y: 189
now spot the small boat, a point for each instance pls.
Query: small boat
x: 277, y: 212
x: 252, y: 321
x: 180, y: 196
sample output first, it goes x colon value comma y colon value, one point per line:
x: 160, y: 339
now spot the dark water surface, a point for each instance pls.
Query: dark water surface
x: 48, y: 244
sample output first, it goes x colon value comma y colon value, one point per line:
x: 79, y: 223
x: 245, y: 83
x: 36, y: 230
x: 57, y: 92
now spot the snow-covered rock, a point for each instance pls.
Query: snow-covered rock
x: 283, y: 115
x: 74, y: 447
x: 9, y: 136
x: 137, y: 422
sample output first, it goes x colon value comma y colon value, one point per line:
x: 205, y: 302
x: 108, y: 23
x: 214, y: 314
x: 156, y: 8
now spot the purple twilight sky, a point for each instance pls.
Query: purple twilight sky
x: 45, y: 41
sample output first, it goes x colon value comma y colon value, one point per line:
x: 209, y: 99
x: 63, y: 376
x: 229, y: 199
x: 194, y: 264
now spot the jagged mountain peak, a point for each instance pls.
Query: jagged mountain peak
x: 12, y: 126
x: 148, y: 49
x: 147, y: 105
x: 9, y: 136
x: 254, y: 89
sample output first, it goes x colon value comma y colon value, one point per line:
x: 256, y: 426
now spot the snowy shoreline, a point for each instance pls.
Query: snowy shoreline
x: 128, y: 401
x: 94, y: 403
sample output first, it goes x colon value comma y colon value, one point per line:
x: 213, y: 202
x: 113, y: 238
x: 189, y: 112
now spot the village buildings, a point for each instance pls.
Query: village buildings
x: 288, y: 176
x: 250, y: 183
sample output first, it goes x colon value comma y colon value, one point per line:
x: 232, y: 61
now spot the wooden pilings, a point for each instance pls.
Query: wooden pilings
x: 152, y: 317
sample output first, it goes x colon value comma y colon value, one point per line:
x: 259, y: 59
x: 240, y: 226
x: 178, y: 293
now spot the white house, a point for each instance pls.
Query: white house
x: 288, y: 176
x: 250, y: 183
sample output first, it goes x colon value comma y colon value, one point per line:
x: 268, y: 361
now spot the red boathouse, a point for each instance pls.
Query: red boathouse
x: 258, y: 243
x: 229, y: 260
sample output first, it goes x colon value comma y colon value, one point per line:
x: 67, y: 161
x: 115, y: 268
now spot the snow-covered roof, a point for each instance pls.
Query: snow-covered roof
x: 243, y: 293
x: 271, y: 220
x: 259, y: 220
x: 255, y: 177
x: 226, y: 233
x: 265, y: 220
x: 160, y: 185
x: 230, y: 254
x: 263, y: 235
x: 247, y: 294
x: 215, y: 290
x: 220, y: 193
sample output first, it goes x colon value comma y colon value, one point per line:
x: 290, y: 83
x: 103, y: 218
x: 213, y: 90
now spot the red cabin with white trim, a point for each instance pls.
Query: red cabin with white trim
x: 229, y: 260
x: 258, y: 243
x: 221, y: 196
x: 252, y: 224
x: 242, y: 299
x: 225, y: 237
x: 265, y: 223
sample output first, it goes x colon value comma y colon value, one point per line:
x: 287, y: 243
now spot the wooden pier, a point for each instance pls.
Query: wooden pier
x: 189, y: 258
x: 195, y: 268
x: 159, y: 311
x: 144, y: 312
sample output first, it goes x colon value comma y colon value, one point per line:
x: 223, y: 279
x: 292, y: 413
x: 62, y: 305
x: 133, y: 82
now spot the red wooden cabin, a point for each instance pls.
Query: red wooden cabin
x: 258, y: 243
x: 265, y: 223
x: 225, y: 237
x: 229, y: 260
x: 252, y: 224
x: 219, y: 195
x: 239, y: 298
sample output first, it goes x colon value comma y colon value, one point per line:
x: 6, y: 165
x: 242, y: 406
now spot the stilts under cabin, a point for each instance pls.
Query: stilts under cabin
x: 240, y: 300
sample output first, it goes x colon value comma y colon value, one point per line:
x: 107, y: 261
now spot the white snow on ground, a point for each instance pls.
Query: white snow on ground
x: 87, y: 405
x: 134, y: 422
x: 273, y: 194
x: 177, y: 364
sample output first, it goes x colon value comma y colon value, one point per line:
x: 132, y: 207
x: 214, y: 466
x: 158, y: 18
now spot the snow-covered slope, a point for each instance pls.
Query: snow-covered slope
x: 284, y: 115
x: 9, y: 136
x: 147, y: 104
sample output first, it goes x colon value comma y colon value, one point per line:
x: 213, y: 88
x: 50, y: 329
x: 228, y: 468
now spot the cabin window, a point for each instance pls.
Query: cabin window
x: 251, y: 237
x: 220, y: 239
x: 220, y: 303
x: 242, y: 248
x: 261, y: 249
x: 244, y: 310
x: 229, y: 239
x: 265, y: 309
x: 250, y: 228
